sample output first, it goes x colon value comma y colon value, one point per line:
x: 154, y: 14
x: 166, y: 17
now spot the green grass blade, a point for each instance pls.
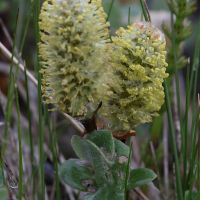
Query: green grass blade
x: 111, y: 5
x: 78, y: 195
x: 195, y: 67
x: 192, y: 184
x: 20, y: 145
x: 47, y: 119
x: 198, y: 145
x: 173, y: 141
x: 193, y: 149
x: 27, y: 25
x: 198, y: 195
x: 29, y: 125
x: 129, y: 23
x: 21, y: 48
x: 127, y: 172
x: 56, y: 162
x: 41, y: 131
x: 186, y: 130
x: 10, y: 89
x: 195, y: 58
x: 144, y: 10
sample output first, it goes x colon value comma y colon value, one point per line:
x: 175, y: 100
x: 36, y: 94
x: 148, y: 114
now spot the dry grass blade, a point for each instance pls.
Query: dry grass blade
x: 32, y: 78
x: 140, y: 194
x: 8, y: 54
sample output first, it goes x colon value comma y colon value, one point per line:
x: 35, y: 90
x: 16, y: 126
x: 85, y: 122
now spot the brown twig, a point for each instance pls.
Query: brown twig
x: 8, y: 54
x: 6, y: 33
x: 146, y: 7
x: 140, y: 194
x: 157, y: 170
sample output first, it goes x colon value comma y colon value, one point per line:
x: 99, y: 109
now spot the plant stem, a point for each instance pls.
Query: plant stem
x: 198, y: 165
x: 186, y: 129
x: 56, y: 162
x: 173, y: 141
x: 20, y: 145
x: 111, y: 5
x: 41, y: 131
x: 127, y: 171
x: 144, y: 10
x: 10, y: 88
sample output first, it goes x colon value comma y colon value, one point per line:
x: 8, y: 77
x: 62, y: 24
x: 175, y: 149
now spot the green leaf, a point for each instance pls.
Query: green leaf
x: 87, y: 150
x: 103, y: 139
x: 121, y: 148
x: 3, y: 193
x: 140, y: 177
x: 74, y: 171
x: 105, y: 193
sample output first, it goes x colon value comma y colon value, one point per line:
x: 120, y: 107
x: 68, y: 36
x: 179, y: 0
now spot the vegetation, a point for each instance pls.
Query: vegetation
x: 117, y: 84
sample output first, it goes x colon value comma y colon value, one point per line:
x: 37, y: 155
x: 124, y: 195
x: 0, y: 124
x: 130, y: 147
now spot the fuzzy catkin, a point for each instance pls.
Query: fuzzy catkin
x: 74, y: 37
x: 138, y: 60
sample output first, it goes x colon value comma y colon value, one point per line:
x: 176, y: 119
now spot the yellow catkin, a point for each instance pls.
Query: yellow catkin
x: 74, y: 48
x: 139, y: 62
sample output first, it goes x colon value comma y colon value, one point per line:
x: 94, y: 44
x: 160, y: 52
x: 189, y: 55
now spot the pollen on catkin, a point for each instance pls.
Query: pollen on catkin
x: 139, y: 65
x: 74, y: 36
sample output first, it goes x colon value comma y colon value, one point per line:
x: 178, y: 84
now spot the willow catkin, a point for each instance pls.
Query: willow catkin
x: 74, y: 37
x: 138, y: 60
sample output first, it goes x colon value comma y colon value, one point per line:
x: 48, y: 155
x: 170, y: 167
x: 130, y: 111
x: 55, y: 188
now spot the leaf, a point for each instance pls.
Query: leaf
x: 72, y: 173
x: 140, y: 177
x: 105, y: 193
x: 103, y: 139
x: 3, y: 193
x: 121, y: 148
x: 87, y: 150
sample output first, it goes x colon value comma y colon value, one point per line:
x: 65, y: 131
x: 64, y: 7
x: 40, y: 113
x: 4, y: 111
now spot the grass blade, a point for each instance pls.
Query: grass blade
x: 29, y: 125
x: 173, y: 141
x: 144, y: 10
x: 191, y: 184
x: 41, y: 131
x: 56, y: 162
x: 111, y: 5
x: 10, y: 88
x: 127, y: 172
x: 20, y: 145
x: 186, y: 130
x: 198, y: 144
